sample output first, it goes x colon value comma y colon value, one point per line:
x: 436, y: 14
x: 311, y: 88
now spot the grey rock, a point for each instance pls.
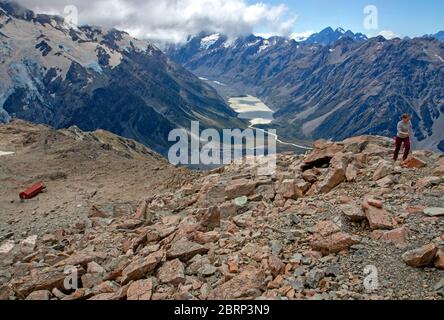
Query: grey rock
x: 314, y: 277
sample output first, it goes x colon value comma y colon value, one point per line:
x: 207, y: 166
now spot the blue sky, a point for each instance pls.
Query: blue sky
x: 403, y: 17
x: 173, y: 21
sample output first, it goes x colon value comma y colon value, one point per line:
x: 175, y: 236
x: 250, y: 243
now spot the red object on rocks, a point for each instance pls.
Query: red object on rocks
x: 33, y: 191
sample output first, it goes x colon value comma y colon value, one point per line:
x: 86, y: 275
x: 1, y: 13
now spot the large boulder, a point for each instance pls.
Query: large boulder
x: 334, y: 243
x: 420, y: 257
x: 378, y: 218
x: 334, y: 178
x: 323, y: 152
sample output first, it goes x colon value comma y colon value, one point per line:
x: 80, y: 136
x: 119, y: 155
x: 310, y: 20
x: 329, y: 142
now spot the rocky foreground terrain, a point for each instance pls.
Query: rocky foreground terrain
x: 341, y: 222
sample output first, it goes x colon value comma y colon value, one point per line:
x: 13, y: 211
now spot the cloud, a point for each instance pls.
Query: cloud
x: 389, y: 34
x: 174, y: 20
x: 301, y: 36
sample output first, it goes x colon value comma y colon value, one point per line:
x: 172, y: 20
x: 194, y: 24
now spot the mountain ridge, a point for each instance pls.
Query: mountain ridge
x: 326, y: 91
x: 95, y: 78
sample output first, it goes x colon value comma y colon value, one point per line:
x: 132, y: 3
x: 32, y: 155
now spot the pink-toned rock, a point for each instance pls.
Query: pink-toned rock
x: 302, y: 187
x: 141, y: 266
x: 289, y: 190
x: 439, y: 170
x: 414, y: 163
x: 386, y: 182
x: 44, y: 279
x: 276, y: 265
x: 309, y: 176
x: 429, y: 182
x: 209, y: 218
x: 228, y: 210
x: 397, y: 236
x: 327, y: 228
x: 184, y: 250
x: 439, y: 260
x: 353, y: 212
x: 239, y: 188
x: 383, y: 170
x: 375, y: 202
x: 208, y: 237
x: 343, y: 199
x: 39, y: 295
x: 312, y: 254
x: 81, y: 258
x: 90, y: 280
x: 247, y: 285
x: 420, y: 257
x: 351, y: 174
x: 140, y: 290
x: 334, y: 243
x: 141, y: 210
x: 172, y: 272
x: 334, y: 178
x: 120, y: 294
x: 212, y: 192
x: 323, y: 151
x: 377, y: 218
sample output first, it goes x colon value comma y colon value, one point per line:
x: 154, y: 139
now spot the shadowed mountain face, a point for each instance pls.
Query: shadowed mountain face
x: 351, y: 87
x: 94, y: 78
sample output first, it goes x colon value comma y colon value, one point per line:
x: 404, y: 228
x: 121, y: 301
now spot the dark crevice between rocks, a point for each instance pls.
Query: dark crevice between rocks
x: 320, y: 163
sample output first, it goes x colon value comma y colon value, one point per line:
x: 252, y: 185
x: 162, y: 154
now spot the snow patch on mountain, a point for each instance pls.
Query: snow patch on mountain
x: 209, y: 41
x: 439, y: 57
x: 265, y: 45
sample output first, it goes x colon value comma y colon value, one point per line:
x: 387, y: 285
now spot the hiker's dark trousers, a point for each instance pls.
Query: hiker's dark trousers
x: 399, y: 141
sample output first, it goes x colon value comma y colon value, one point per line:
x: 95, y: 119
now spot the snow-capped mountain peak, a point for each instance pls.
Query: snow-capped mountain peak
x: 209, y: 41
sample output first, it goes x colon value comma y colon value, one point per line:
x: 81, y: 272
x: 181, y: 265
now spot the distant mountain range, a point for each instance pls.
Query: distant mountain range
x: 329, y: 36
x: 439, y: 36
x: 334, y: 85
x: 60, y: 75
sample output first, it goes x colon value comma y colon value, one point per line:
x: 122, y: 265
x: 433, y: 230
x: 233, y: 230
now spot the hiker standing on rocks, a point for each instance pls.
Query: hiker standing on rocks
x: 403, y: 137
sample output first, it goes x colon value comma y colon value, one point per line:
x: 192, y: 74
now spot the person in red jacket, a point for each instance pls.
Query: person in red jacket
x: 403, y: 137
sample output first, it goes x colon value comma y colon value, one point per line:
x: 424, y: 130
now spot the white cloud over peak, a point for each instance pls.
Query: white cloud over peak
x: 301, y: 36
x: 389, y: 34
x: 174, y: 20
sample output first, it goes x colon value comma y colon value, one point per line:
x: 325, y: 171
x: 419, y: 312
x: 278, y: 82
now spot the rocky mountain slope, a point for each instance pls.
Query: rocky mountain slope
x: 332, y: 91
x: 341, y: 222
x: 61, y: 75
x: 78, y: 169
